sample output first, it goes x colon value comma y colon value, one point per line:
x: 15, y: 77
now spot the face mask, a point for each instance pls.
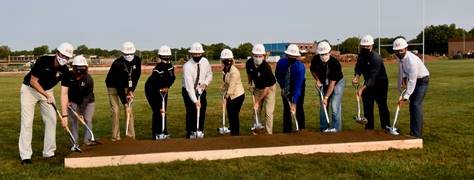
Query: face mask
x: 165, y: 59
x: 197, y: 59
x: 80, y: 71
x: 291, y: 59
x: 258, y: 61
x: 227, y: 62
x: 61, y: 61
x: 324, y: 58
x: 400, y: 55
x: 128, y: 57
x: 364, y: 51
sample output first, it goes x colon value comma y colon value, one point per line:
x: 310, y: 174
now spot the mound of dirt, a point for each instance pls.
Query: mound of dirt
x: 130, y: 146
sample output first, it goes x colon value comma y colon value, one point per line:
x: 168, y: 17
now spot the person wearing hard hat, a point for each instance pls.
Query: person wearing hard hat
x: 156, y: 87
x: 196, y: 78
x: 290, y: 75
x: 262, y: 85
x: 370, y: 65
x: 414, y: 77
x: 121, y: 81
x: 327, y: 71
x: 37, y: 88
x: 233, y: 90
x: 78, y: 92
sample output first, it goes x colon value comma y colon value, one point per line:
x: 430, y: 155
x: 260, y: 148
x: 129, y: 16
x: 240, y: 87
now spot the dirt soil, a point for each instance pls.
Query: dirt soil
x: 130, y: 146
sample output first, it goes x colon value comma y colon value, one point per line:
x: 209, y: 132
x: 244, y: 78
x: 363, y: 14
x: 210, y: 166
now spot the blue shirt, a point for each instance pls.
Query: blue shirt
x: 297, y: 76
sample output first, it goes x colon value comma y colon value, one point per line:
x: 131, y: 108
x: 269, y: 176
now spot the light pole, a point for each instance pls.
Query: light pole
x: 175, y: 56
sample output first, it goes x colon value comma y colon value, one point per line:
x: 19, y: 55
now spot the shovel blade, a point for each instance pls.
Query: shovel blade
x: 223, y: 130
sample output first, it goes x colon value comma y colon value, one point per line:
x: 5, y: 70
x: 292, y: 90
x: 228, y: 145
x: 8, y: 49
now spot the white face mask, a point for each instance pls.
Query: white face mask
x: 324, y: 58
x: 128, y: 57
x: 258, y: 61
x: 61, y: 61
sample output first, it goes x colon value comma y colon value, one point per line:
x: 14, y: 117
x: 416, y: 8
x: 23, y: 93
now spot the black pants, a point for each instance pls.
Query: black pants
x: 191, y: 112
x: 155, y: 100
x: 233, y: 111
x: 287, y: 120
x: 378, y: 93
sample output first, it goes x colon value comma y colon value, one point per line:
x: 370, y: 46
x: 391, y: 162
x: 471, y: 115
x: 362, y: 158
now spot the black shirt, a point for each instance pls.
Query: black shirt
x: 262, y: 76
x: 80, y: 91
x: 121, y: 72
x: 372, y: 67
x: 162, y: 76
x: 47, y: 74
x: 331, y: 70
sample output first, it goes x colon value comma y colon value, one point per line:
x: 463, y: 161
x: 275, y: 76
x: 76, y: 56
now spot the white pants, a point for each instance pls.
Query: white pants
x: 29, y: 97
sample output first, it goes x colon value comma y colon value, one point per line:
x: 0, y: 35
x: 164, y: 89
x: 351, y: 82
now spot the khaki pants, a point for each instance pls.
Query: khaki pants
x: 29, y: 97
x: 269, y: 106
x: 114, y: 108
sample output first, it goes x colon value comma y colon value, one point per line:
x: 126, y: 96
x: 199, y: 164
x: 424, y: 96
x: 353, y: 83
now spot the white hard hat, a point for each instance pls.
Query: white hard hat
x: 66, y: 49
x: 258, y: 49
x: 399, y: 43
x: 227, y: 54
x: 367, y: 40
x: 324, y: 47
x: 196, y: 48
x: 164, y: 51
x: 79, y: 60
x: 293, y: 50
x: 128, y: 48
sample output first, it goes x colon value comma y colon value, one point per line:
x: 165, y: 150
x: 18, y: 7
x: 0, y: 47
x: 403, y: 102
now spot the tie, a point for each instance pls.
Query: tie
x: 197, y: 77
x: 288, y: 80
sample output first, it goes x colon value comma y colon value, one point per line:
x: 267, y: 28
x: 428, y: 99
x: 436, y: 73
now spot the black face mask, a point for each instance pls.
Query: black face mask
x: 197, y: 59
x: 291, y: 60
x: 364, y: 51
x: 165, y: 59
x: 80, y: 71
x: 400, y: 55
x: 227, y: 62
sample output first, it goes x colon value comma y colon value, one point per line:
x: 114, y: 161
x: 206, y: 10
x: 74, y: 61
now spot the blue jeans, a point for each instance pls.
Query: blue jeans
x: 416, y: 107
x: 335, y: 102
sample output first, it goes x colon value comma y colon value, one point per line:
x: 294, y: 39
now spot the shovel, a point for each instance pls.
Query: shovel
x: 358, y: 118
x: 257, y: 126
x: 393, y: 130
x: 223, y: 130
x: 325, y: 110
x: 81, y: 119
x: 75, y: 146
x: 163, y: 136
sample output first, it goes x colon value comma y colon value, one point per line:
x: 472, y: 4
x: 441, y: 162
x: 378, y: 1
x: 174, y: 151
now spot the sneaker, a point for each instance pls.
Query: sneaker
x: 50, y: 157
x: 26, y: 161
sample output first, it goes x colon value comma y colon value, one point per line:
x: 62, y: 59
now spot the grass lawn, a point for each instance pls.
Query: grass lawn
x: 447, y: 154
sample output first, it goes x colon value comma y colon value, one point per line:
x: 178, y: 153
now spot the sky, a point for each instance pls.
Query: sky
x: 178, y: 23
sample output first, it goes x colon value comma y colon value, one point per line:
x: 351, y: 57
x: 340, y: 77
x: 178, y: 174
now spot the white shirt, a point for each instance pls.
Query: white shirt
x: 190, y: 75
x: 412, y: 68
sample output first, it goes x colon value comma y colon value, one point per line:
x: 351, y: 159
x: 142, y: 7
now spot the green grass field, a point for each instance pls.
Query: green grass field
x: 447, y: 154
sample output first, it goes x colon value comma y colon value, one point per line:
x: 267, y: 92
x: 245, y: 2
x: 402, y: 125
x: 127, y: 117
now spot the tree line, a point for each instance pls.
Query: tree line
x: 436, y: 42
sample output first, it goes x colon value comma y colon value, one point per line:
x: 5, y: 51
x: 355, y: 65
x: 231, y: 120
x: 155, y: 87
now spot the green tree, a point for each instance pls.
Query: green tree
x: 41, y: 50
x: 471, y: 32
x: 4, y: 52
x: 437, y: 37
x: 243, y: 51
x: 82, y: 49
x: 385, y: 51
x: 350, y: 46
